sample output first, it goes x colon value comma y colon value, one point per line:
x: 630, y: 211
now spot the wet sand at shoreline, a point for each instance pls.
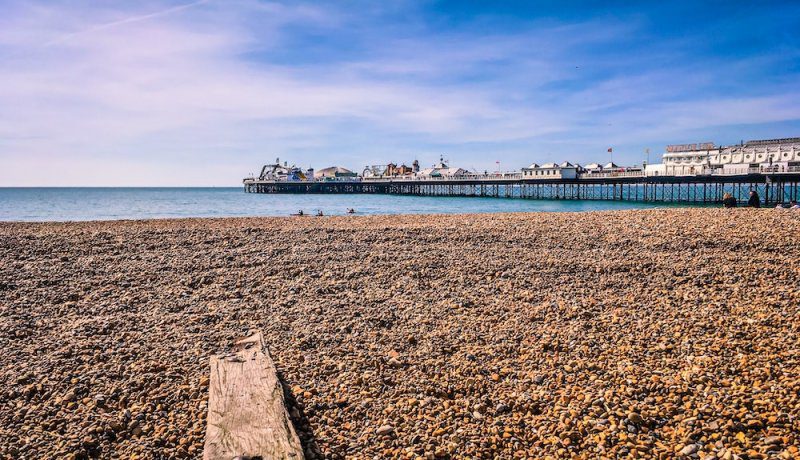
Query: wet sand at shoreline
x: 650, y: 333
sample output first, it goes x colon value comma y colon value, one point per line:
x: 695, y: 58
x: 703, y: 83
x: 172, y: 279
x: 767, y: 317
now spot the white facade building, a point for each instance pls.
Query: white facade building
x: 775, y: 155
x: 565, y: 170
x: 688, y: 159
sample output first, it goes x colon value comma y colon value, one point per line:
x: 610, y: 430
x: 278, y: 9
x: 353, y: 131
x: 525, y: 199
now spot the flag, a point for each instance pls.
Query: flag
x: 609, y: 150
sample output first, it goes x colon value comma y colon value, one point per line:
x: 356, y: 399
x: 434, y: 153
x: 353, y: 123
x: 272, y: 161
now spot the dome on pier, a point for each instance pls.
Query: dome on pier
x: 334, y: 171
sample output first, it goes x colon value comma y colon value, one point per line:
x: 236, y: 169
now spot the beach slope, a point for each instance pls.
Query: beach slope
x: 651, y: 333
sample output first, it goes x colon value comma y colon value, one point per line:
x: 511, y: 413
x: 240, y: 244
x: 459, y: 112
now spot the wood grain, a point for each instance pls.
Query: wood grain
x: 247, y: 415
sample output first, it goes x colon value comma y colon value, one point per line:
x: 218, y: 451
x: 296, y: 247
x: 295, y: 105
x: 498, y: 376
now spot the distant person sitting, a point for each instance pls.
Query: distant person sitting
x: 300, y: 212
x: 754, y: 201
x: 728, y: 201
x: 319, y: 213
x: 351, y: 211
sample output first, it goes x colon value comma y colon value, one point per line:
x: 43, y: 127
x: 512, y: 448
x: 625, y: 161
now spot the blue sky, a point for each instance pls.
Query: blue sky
x: 203, y: 93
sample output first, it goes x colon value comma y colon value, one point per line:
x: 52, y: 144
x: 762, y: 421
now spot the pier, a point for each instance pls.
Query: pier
x: 689, y: 173
x: 772, y: 188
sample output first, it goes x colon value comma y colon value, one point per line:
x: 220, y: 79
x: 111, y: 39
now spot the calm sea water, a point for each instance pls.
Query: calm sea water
x: 68, y: 204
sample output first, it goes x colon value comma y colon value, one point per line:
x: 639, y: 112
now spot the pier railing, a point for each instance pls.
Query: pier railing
x: 606, y: 174
x: 774, y: 169
x: 471, y: 177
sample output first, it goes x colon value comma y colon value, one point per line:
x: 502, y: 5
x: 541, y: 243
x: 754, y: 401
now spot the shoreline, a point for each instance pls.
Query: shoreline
x: 654, y: 207
x: 648, y: 332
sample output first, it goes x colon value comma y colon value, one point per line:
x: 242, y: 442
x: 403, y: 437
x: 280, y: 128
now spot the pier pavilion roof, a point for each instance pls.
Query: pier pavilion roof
x: 334, y: 171
x: 441, y: 172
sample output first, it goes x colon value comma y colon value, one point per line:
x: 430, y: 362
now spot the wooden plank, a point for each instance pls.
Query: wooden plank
x: 247, y: 415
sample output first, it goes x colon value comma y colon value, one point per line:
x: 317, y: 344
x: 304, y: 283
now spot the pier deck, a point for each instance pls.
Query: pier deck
x: 772, y: 188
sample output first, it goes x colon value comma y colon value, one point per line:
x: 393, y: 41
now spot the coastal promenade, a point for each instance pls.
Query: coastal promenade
x: 662, y: 333
x: 622, y: 186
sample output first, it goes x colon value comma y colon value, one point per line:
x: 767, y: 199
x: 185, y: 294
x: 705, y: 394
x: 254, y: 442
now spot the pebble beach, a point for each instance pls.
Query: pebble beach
x: 656, y: 333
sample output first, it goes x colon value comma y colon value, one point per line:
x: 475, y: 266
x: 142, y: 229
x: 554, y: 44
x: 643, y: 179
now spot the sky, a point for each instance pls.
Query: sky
x: 202, y: 93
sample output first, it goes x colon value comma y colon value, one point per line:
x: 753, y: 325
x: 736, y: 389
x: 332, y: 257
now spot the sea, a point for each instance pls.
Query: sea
x: 97, y: 203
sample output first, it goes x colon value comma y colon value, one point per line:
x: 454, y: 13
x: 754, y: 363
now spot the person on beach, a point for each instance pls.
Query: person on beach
x: 754, y: 201
x: 319, y: 213
x: 794, y: 205
x: 728, y: 201
x: 351, y: 211
x: 300, y: 212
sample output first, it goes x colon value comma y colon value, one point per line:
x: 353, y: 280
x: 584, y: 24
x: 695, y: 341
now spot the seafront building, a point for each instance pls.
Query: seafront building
x: 770, y: 156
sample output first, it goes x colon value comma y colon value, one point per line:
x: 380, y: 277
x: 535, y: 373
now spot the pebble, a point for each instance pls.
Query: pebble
x: 689, y: 449
x: 635, y: 418
x: 773, y: 440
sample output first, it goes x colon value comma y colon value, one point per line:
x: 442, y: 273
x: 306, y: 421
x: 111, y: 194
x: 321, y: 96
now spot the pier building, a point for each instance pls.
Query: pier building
x: 593, y: 168
x: 565, y: 170
x: 390, y: 170
x: 441, y: 169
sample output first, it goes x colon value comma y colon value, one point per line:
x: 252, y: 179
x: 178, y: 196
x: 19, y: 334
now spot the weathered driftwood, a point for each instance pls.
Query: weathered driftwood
x: 247, y: 415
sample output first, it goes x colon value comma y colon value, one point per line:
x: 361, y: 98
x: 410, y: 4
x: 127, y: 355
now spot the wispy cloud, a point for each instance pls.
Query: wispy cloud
x: 202, y: 92
x: 128, y: 20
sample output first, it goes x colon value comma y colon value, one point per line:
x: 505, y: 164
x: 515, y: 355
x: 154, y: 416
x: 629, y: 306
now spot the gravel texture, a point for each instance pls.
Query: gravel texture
x: 648, y: 334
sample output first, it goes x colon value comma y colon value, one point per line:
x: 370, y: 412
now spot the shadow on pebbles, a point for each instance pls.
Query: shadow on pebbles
x: 640, y: 334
